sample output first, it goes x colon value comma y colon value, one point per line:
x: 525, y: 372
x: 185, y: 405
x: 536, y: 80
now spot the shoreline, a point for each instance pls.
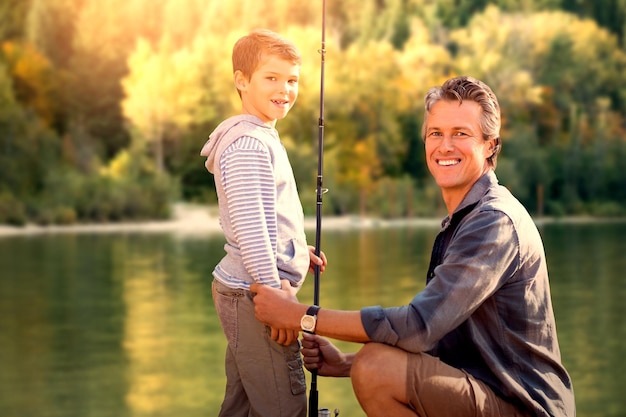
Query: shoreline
x: 198, y: 220
x: 190, y: 219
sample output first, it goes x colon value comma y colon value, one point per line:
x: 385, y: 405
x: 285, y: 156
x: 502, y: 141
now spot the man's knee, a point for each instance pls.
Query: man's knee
x: 366, y: 363
x: 379, y: 379
x: 377, y: 365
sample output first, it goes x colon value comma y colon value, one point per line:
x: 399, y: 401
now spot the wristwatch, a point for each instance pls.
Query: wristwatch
x: 309, y: 320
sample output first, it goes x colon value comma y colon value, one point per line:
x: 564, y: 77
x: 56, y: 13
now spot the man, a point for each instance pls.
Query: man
x: 480, y: 339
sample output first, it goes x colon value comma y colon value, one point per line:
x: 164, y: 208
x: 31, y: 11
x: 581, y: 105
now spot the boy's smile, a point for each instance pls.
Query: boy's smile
x: 271, y: 91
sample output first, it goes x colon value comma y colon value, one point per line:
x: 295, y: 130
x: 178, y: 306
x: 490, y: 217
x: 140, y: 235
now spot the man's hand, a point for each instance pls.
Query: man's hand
x: 318, y: 353
x: 286, y: 337
x: 277, y: 308
x: 316, y: 260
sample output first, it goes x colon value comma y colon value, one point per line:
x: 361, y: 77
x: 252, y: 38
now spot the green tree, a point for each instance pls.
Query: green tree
x: 362, y: 21
x: 549, y: 70
x: 610, y: 14
x: 27, y: 148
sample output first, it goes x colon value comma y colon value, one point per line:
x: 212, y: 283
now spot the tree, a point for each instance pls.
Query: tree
x: 423, y: 64
x: 12, y: 19
x: 162, y: 92
x: 27, y: 148
x: 35, y: 81
x: 50, y: 27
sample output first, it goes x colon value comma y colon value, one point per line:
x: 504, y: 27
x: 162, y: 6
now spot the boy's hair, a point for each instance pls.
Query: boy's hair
x: 468, y: 88
x: 250, y: 50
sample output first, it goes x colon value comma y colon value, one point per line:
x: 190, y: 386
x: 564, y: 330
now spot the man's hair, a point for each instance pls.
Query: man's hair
x: 250, y: 50
x: 468, y: 88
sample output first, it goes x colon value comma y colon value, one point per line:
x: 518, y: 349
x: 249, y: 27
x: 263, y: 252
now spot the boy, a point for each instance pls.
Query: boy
x: 262, y: 219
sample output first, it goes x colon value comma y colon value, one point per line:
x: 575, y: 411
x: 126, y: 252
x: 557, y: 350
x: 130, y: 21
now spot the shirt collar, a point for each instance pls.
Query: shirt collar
x: 478, y: 190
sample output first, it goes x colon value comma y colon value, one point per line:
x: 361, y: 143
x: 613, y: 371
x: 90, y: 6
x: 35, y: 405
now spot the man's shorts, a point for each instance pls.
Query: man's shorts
x: 437, y: 389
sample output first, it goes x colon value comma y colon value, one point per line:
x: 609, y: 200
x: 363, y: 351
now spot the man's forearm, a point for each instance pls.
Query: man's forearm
x: 278, y: 309
x: 341, y: 325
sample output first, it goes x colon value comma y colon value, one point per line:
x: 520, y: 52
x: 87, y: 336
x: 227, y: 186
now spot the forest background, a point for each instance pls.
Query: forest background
x: 105, y: 105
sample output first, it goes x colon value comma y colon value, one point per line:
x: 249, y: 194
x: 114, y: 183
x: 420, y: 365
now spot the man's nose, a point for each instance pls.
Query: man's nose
x: 447, y: 142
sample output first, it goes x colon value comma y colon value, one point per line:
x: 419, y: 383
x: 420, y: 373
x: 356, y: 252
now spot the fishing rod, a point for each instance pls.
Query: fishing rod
x: 313, y: 394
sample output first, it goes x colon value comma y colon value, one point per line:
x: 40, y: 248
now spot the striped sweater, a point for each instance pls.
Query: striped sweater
x: 260, y: 210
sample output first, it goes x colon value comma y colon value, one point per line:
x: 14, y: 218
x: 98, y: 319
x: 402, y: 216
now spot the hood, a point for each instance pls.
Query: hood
x: 219, y: 135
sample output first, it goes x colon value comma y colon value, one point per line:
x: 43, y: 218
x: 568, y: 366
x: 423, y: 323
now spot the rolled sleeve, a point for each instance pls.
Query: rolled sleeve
x: 377, y: 327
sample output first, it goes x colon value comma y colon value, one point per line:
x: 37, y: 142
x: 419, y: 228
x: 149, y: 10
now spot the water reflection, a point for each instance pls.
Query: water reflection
x: 588, y: 288
x: 123, y: 325
x: 168, y: 318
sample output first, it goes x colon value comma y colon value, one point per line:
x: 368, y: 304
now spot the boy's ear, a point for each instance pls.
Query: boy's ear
x: 240, y: 80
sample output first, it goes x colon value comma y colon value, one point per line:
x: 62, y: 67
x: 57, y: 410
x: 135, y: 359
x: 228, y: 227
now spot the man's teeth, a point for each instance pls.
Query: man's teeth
x: 448, y: 162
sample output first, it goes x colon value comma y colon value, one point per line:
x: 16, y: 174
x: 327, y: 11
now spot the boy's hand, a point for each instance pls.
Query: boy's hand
x: 316, y: 260
x: 284, y: 337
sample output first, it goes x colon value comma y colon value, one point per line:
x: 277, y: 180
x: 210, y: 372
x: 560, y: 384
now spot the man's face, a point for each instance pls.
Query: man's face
x: 456, y: 152
x: 272, y: 89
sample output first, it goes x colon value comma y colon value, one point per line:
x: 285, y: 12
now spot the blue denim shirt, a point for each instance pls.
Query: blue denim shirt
x: 486, y: 307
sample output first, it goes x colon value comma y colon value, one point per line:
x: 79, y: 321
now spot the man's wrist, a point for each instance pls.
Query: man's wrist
x: 308, y: 322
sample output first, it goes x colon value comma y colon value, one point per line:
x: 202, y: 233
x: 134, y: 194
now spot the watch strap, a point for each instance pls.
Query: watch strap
x: 312, y: 311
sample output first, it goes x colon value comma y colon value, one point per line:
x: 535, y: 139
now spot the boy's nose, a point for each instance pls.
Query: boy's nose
x: 285, y: 87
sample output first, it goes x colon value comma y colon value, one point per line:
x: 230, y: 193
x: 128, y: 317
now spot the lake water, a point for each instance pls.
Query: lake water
x: 123, y: 324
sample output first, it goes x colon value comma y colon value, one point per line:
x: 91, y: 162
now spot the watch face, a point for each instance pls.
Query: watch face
x: 307, y: 323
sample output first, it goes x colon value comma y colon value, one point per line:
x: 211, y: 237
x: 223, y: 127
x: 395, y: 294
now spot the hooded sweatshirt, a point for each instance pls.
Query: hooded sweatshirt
x: 259, y: 206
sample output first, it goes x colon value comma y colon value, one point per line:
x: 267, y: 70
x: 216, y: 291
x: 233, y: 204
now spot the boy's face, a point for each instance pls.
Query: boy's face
x: 271, y: 90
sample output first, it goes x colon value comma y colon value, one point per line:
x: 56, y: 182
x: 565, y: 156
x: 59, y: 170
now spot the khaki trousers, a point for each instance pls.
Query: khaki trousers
x: 263, y: 378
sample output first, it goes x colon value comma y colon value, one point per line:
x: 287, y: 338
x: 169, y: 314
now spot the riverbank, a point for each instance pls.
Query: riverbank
x: 203, y: 220
x: 197, y: 219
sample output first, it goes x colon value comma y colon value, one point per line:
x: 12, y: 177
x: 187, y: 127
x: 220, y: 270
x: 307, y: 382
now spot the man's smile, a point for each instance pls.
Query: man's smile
x: 448, y: 162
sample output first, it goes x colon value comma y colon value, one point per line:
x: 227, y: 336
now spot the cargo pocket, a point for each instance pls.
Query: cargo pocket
x: 296, y: 371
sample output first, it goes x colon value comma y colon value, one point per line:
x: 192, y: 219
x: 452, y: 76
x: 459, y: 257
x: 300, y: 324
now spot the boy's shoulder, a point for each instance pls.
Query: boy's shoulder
x: 244, y: 125
x: 241, y: 122
x: 233, y: 128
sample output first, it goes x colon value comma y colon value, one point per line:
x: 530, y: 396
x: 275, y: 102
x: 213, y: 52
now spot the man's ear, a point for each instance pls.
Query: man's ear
x: 495, y: 146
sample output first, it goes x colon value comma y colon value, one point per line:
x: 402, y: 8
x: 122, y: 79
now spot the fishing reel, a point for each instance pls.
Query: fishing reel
x: 325, y: 412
